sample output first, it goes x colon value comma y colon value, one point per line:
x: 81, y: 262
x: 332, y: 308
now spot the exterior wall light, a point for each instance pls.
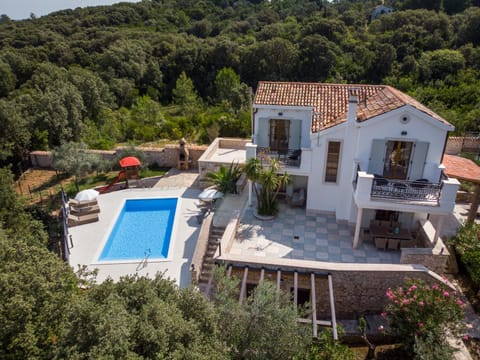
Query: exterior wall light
x: 404, y: 133
x: 280, y: 113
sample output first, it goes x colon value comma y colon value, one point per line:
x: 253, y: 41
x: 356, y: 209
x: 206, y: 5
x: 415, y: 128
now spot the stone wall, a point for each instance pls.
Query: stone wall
x: 356, y: 292
x: 165, y: 157
x: 458, y: 144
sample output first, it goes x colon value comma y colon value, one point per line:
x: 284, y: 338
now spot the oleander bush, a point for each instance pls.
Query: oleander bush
x: 421, y: 317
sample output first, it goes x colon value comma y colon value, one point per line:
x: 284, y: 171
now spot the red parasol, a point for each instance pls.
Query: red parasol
x: 129, y: 161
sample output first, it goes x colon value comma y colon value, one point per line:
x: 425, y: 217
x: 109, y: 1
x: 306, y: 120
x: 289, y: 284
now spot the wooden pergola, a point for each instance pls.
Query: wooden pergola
x: 465, y: 169
x: 313, y: 275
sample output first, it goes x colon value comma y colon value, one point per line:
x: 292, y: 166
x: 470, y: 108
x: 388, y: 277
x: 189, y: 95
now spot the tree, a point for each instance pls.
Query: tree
x: 440, y: 63
x: 16, y: 221
x: 185, y: 94
x: 261, y: 327
x: 266, y: 184
x: 14, y: 133
x: 138, y: 317
x: 7, y: 79
x: 73, y: 159
x: 230, y: 90
x: 37, y: 288
x: 318, y: 57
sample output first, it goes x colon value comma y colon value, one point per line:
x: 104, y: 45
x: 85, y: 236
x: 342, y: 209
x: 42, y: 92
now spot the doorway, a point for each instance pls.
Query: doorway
x: 279, y: 135
x: 397, y: 159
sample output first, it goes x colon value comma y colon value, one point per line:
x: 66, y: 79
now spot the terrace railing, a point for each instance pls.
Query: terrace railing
x: 417, y: 191
x: 290, y: 157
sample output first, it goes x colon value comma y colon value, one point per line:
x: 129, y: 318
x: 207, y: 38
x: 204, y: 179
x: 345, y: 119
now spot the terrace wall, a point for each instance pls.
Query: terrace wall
x: 165, y: 157
x: 356, y: 292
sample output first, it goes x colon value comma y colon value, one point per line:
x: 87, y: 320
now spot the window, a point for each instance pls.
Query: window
x: 279, y: 134
x: 333, y: 159
x: 397, y: 159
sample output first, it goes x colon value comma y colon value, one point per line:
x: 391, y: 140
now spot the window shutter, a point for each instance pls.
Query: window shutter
x: 377, y: 156
x: 418, y: 160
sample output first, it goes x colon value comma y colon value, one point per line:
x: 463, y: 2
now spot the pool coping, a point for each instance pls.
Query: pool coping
x: 89, y: 239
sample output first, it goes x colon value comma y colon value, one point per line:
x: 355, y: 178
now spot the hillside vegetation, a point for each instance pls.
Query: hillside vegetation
x: 170, y: 69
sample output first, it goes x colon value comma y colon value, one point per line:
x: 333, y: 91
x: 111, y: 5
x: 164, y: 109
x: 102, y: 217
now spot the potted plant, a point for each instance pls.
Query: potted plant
x: 266, y: 182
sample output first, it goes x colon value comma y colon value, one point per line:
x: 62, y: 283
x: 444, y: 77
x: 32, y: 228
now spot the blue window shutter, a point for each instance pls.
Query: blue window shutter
x: 418, y: 160
x: 377, y: 156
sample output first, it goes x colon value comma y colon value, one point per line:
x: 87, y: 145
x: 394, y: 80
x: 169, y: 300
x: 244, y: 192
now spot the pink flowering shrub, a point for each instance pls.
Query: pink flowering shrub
x: 420, y: 316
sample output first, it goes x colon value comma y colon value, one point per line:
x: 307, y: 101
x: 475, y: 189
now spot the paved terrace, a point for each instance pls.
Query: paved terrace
x: 294, y: 235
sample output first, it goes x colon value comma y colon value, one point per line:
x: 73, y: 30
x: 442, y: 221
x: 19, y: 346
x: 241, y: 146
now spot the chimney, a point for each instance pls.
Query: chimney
x: 352, y: 105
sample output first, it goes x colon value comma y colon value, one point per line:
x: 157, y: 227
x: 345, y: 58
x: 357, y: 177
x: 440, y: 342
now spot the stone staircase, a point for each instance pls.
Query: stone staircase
x: 208, y: 264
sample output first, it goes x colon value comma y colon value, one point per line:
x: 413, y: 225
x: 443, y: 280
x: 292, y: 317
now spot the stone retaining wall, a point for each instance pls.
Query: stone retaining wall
x: 165, y: 157
x: 458, y: 144
x: 356, y: 292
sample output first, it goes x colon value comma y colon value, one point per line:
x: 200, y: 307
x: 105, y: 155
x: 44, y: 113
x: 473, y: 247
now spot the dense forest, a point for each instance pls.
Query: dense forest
x: 169, y: 69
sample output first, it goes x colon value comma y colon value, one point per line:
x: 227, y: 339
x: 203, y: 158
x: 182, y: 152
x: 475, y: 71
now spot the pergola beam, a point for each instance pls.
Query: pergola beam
x: 243, y: 289
x: 314, y: 305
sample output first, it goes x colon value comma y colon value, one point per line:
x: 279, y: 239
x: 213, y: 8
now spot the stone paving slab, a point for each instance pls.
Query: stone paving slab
x: 294, y: 235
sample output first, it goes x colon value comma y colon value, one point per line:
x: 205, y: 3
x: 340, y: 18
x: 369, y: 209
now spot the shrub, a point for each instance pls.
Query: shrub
x: 467, y: 246
x: 225, y: 179
x: 421, y: 316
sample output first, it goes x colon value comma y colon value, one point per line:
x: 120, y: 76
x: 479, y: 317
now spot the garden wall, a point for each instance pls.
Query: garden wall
x: 165, y: 157
x: 356, y: 292
x: 458, y: 144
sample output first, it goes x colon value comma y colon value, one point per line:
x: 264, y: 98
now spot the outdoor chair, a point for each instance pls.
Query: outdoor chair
x: 419, y: 183
x: 393, y: 244
x: 298, y: 198
x: 380, y: 243
x: 379, y: 180
x: 293, y: 157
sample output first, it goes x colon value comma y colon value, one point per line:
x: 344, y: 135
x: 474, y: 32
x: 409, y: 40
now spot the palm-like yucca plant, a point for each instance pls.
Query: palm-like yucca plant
x: 225, y: 178
x: 266, y: 184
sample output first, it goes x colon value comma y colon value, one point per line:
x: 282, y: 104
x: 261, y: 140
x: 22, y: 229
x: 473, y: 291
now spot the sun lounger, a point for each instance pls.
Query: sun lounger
x: 83, y: 210
x: 298, y: 198
x: 74, y: 220
x: 76, y: 203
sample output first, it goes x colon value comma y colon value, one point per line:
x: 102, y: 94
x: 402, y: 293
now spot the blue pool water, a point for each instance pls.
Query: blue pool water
x: 143, y: 226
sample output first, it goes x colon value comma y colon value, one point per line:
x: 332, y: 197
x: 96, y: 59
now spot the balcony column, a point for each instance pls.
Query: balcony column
x: 358, y: 226
x: 250, y: 152
x: 438, y: 229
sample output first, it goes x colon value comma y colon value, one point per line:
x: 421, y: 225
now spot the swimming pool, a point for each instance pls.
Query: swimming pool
x: 143, y: 227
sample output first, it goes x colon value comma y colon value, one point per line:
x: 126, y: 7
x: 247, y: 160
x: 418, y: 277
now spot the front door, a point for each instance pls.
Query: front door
x: 397, y: 159
x: 279, y: 134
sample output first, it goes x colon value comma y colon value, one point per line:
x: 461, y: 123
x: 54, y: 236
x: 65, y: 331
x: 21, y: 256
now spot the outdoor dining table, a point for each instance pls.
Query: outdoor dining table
x: 389, y: 232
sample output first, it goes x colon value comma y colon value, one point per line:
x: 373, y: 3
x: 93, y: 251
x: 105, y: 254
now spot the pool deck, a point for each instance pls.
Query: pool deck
x: 89, y: 239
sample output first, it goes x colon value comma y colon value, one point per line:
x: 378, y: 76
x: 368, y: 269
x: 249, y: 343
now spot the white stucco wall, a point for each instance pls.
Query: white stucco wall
x: 262, y: 115
x: 356, y: 146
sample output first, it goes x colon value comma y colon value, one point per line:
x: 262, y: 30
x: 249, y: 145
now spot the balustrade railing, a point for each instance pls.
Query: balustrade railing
x: 402, y: 190
x: 290, y: 157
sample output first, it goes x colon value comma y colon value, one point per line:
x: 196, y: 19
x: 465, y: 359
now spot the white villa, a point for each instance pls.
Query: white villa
x: 362, y: 152
x: 366, y: 164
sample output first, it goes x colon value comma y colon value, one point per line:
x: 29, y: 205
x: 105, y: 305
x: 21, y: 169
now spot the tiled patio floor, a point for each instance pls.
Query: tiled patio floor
x: 294, y: 235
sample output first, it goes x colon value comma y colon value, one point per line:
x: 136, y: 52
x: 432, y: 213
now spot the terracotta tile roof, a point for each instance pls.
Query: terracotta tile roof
x: 330, y: 101
x: 461, y: 168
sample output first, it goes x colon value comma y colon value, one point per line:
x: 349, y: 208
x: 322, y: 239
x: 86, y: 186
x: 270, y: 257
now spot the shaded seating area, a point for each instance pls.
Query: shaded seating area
x: 83, y: 209
x: 389, y: 235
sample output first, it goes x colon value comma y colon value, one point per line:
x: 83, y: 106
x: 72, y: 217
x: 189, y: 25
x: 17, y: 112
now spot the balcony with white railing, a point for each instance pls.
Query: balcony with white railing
x: 373, y: 191
x: 290, y: 160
